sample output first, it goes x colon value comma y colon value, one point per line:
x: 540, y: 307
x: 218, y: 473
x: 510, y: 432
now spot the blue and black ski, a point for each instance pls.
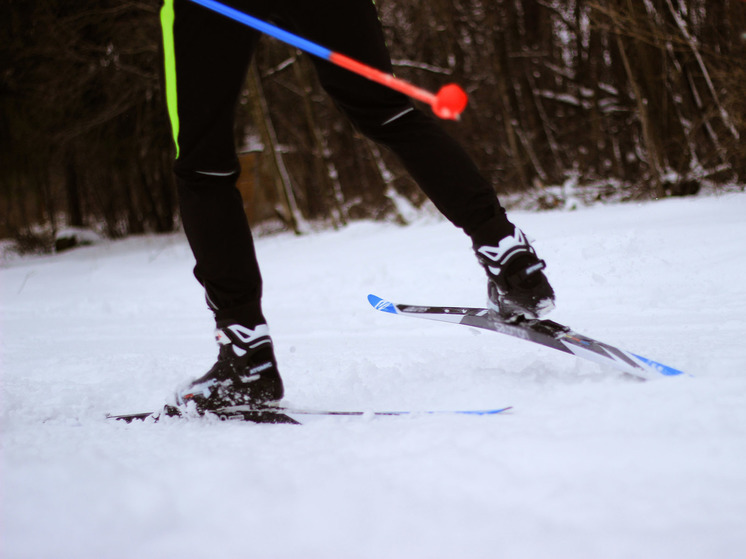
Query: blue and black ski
x: 544, y: 332
x: 282, y: 414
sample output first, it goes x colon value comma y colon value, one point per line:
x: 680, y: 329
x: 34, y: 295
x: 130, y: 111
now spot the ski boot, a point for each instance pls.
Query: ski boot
x: 245, y: 373
x: 516, y: 285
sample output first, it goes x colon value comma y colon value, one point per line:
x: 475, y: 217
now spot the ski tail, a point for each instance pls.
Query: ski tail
x: 262, y: 415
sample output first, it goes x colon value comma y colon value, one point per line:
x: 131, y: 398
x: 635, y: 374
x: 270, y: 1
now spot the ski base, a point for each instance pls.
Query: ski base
x: 544, y: 332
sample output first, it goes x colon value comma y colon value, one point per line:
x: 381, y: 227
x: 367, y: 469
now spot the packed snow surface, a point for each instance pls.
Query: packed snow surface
x: 588, y: 464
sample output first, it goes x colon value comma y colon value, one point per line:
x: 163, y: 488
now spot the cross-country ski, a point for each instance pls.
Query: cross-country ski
x: 283, y: 414
x: 544, y: 332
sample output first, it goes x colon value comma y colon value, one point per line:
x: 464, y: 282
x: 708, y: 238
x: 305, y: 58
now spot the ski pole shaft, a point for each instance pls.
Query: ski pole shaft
x: 448, y: 103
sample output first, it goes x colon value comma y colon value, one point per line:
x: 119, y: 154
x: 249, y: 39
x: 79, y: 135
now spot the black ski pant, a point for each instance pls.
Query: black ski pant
x: 207, y: 58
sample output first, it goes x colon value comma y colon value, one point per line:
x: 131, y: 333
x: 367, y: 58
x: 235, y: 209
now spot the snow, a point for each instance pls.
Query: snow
x: 588, y: 464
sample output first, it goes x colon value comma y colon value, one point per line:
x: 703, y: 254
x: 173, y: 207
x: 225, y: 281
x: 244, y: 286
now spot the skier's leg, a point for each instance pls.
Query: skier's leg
x: 207, y: 57
x: 432, y: 157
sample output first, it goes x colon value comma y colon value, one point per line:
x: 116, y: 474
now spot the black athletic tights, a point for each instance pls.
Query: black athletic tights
x: 207, y: 57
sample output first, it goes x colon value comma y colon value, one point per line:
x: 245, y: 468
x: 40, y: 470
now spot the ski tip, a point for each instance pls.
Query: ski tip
x: 381, y: 305
x: 658, y: 367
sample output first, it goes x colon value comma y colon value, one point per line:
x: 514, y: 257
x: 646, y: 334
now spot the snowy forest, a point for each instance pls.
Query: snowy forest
x: 638, y: 99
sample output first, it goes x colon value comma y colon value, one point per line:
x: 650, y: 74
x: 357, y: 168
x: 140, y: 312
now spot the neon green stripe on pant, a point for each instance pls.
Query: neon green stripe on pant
x: 169, y: 59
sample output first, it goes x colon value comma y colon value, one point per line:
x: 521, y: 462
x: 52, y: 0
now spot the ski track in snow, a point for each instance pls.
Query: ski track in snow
x: 589, y: 464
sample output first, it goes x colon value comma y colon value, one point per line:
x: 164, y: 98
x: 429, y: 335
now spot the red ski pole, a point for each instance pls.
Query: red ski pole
x: 448, y: 103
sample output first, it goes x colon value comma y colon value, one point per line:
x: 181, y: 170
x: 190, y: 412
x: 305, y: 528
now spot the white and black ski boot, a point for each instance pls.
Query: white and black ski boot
x: 516, y: 285
x: 245, y: 373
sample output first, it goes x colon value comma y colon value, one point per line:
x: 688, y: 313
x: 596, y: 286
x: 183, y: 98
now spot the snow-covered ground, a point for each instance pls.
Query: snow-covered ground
x: 588, y: 464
